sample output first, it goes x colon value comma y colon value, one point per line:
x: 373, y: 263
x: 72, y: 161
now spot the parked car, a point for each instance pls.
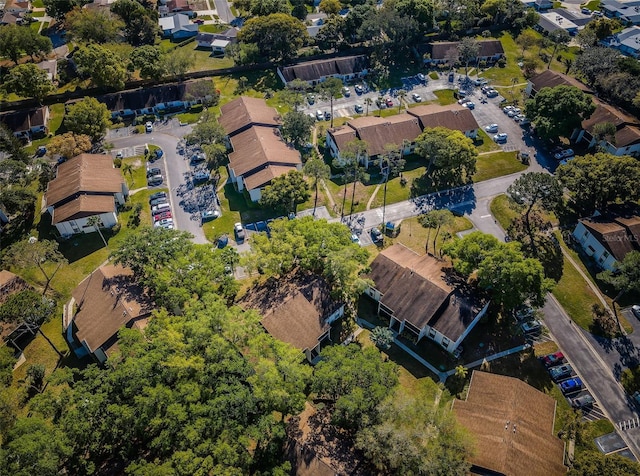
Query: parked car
x: 583, y: 401
x: 164, y: 222
x: 480, y: 81
x: 311, y: 99
x: 41, y: 151
x: 376, y: 235
x: 161, y: 208
x: 513, y: 112
x: 197, y: 159
x: 564, y: 154
x: 524, y: 122
x: 327, y: 116
x: 154, y: 180
x: 470, y: 105
x: 155, y: 196
x: 389, y: 102
x: 209, y: 215
x: 551, y: 360
x: 492, y: 93
x: 531, y: 326
x: 319, y: 115
x: 358, y: 108
x: 148, y: 127
x: 153, y: 171
x: 158, y: 201
x: 239, y: 231
x: 524, y: 313
x: 162, y: 216
x: 635, y: 309
x: 355, y: 238
x: 200, y: 177
x: 380, y: 102
x: 346, y: 92
x: 493, y: 128
x: 572, y: 385
x: 421, y: 77
x: 586, y: 11
x: 416, y: 97
x: 518, y: 117
x: 463, y: 101
x: 561, y: 371
x: 359, y: 89
x: 500, y: 137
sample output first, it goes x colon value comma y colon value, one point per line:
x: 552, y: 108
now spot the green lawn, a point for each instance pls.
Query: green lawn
x: 205, y: 61
x: 37, y: 4
x: 592, y: 5
x: 502, y: 211
x: 497, y: 164
x: 484, y: 143
x: 445, y: 96
x: 138, y: 177
x: 35, y: 26
x: 504, y: 76
x: 38, y: 14
x: 212, y: 28
x: 433, y: 75
x: 189, y: 117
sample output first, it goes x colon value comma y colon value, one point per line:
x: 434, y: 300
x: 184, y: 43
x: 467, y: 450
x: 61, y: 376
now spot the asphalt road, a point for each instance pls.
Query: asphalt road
x: 177, y: 172
x: 224, y: 11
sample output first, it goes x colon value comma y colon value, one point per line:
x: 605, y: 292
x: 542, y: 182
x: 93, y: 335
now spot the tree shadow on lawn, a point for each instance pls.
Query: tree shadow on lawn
x: 249, y: 212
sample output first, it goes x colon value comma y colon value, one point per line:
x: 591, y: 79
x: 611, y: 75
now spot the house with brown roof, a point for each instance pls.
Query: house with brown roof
x: 103, y: 303
x: 85, y: 186
x: 259, y: 154
x: 27, y: 124
x: 438, y: 52
x: 297, y: 309
x: 512, y: 424
x: 608, y: 238
x: 550, y: 79
x: 422, y: 297
x: 626, y: 140
x: 345, y: 68
x: 400, y: 129
x: 17, y: 6
x: 12, y: 18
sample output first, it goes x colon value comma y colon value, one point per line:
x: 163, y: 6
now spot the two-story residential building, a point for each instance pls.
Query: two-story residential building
x: 85, y: 186
x: 608, y: 238
x: 297, y: 309
x: 258, y: 152
x: 627, y: 11
x: 422, y: 298
x: 346, y: 68
x: 103, y: 303
x: 27, y: 124
x: 627, y: 41
x: 400, y: 129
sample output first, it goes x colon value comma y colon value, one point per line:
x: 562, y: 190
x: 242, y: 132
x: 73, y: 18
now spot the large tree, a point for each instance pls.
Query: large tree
x: 286, y: 192
x: 626, y: 278
x: 278, y: 36
x: 451, y: 156
x: 318, y: 170
x: 356, y: 380
x: 501, y: 269
x: 69, y: 144
x: 435, y: 219
x: 93, y: 26
x: 468, y: 48
x: 141, y: 24
x: 557, y: 112
x: 595, y: 181
x: 43, y: 254
x: 88, y: 116
x: 59, y: 8
x: 16, y: 40
x: 594, y: 63
x: 296, y: 127
x: 27, y: 80
x: 178, y: 62
x: 148, y: 59
x: 103, y: 66
x: 531, y: 191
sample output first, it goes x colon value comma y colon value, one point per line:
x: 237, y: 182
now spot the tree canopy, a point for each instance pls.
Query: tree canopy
x: 278, y: 36
x: 16, y: 40
x: 557, y: 112
x: 597, y: 180
x: 93, y: 26
x: 103, y: 66
x: 27, y: 80
x: 286, y: 192
x: 296, y: 127
x: 69, y: 144
x: 501, y: 269
x: 89, y: 117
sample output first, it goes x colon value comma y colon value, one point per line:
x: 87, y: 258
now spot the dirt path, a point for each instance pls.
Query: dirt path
x: 314, y: 141
x: 373, y: 195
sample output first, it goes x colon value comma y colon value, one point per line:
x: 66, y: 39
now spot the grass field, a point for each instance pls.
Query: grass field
x: 484, y: 143
x: 497, y: 164
x: 445, y: 96
x: 504, y: 76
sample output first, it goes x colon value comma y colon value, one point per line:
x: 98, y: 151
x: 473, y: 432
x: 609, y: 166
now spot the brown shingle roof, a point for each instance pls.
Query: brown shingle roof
x: 294, y: 308
x: 266, y: 175
x: 453, y: 116
x: 418, y: 290
x: 259, y: 147
x: 342, y: 136
x: 20, y: 121
x: 487, y: 48
x: 315, y: 70
x: 627, y: 135
x: 609, y: 234
x: 244, y: 112
x: 379, y: 131
x: 550, y: 79
x: 84, y: 206
x: 627, y: 126
x: 497, y: 404
x: 86, y: 173
x: 107, y: 300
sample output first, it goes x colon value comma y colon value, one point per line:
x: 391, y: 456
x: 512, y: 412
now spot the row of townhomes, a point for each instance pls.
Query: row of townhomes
x: 400, y: 129
x: 258, y: 153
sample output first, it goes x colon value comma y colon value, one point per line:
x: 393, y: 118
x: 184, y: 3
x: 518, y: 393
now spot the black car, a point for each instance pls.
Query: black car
x: 153, y: 171
x: 155, y: 196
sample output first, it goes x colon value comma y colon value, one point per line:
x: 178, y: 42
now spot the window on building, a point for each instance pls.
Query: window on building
x: 445, y: 342
x: 432, y: 333
x: 605, y: 255
x: 591, y: 249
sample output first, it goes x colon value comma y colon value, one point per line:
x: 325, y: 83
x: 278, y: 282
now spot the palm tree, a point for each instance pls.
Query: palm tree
x: 368, y: 102
x: 461, y: 372
x: 96, y: 222
x: 395, y: 165
x: 401, y: 95
x: 317, y: 169
x: 127, y: 169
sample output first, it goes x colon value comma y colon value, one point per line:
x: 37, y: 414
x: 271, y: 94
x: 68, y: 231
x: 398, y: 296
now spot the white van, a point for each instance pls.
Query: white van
x: 161, y: 208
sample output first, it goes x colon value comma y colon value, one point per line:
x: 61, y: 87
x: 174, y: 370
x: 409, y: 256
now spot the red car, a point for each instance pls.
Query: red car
x: 162, y: 216
x: 552, y: 359
x: 389, y: 102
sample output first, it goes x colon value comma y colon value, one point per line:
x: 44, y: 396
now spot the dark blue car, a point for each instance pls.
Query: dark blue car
x: 571, y: 385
